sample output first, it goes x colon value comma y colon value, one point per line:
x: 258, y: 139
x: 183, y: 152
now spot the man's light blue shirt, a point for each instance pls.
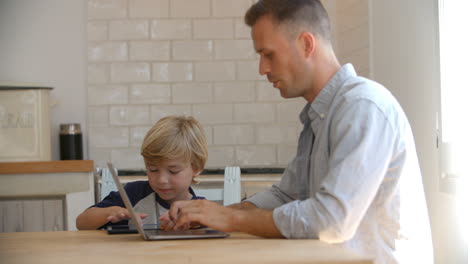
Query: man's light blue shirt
x: 355, y: 180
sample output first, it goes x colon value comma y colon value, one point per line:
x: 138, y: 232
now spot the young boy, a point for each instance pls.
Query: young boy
x: 175, y: 152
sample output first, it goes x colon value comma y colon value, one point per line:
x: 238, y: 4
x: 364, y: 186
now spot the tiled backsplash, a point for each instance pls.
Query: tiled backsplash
x: 152, y: 58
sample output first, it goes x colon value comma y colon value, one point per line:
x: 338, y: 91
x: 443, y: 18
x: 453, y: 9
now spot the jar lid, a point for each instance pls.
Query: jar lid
x: 70, y: 129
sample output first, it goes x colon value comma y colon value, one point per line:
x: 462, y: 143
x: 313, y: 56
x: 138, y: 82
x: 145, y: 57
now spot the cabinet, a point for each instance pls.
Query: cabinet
x: 32, y: 215
x: 44, y: 196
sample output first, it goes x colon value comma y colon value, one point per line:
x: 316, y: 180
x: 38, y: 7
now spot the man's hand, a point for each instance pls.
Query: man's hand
x: 186, y: 214
x: 245, y: 217
x: 165, y: 221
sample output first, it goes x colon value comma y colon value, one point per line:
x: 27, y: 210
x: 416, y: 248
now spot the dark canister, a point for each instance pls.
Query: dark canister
x: 71, y: 142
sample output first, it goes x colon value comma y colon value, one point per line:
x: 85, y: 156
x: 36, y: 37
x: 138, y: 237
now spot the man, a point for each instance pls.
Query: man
x: 355, y: 180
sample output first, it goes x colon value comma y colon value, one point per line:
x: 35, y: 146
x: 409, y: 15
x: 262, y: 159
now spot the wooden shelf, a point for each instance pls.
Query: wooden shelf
x: 54, y: 166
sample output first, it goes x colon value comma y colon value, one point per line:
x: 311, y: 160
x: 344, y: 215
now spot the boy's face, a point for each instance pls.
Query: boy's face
x: 171, y: 179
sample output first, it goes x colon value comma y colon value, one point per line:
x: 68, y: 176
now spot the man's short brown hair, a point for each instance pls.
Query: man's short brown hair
x: 296, y: 15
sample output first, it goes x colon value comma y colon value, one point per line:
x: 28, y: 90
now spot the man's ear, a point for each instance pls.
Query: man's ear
x: 308, y: 43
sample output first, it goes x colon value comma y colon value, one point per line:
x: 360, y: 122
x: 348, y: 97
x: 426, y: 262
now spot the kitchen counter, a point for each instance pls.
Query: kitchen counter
x: 71, y: 182
x: 46, y: 166
x: 45, y: 177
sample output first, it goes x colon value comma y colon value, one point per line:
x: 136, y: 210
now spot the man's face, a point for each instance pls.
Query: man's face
x: 280, y: 58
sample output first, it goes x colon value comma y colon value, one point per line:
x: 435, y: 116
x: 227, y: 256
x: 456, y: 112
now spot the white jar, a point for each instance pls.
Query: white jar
x: 24, y: 123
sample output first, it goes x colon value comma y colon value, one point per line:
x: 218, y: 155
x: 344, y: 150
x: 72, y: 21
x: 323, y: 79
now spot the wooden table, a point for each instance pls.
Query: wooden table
x: 98, y: 247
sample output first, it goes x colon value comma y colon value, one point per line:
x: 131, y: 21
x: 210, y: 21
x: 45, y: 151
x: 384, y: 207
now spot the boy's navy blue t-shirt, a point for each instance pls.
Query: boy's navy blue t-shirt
x: 136, y: 191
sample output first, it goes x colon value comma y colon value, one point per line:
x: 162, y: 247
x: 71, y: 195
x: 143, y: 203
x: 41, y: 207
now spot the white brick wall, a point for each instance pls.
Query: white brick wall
x: 148, y: 8
x: 236, y: 91
x: 107, y: 9
x: 192, y: 93
x: 260, y: 155
x: 151, y: 58
x: 242, y: 31
x: 107, y: 94
x: 98, y: 116
x: 130, y: 72
x: 171, y: 29
x: 98, y: 73
x: 127, y: 158
x: 128, y: 29
x: 97, y: 31
x: 150, y: 94
x: 190, y: 8
x: 108, y: 137
x: 234, y: 135
x: 129, y: 115
x: 213, y: 113
x: 107, y: 51
x: 230, y: 8
x: 213, y: 29
x: 172, y: 72
x: 220, y: 157
x: 159, y: 111
x: 149, y: 50
x: 352, y: 27
x: 215, y: 71
x: 276, y: 134
x: 254, y: 113
x: 137, y: 134
x: 192, y: 50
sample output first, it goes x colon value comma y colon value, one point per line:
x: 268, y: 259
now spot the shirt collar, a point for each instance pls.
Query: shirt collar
x: 321, y: 104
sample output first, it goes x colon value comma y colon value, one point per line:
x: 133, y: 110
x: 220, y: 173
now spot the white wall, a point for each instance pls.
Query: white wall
x: 404, y: 54
x: 43, y: 42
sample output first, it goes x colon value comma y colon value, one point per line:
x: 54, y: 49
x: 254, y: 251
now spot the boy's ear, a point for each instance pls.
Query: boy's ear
x: 197, y: 173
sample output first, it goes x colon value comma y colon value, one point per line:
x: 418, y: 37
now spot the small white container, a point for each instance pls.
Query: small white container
x: 24, y: 123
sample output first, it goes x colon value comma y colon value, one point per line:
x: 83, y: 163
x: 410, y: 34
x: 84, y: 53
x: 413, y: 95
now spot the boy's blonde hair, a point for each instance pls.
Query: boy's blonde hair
x: 176, y: 137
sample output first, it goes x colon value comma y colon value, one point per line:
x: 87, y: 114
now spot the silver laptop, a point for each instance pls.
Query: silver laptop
x: 157, y: 234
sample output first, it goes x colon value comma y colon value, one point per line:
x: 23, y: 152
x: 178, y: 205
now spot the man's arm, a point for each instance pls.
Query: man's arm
x: 243, y: 206
x: 243, y: 217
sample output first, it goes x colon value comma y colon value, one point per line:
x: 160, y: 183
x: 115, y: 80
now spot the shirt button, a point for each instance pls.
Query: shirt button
x: 322, y: 116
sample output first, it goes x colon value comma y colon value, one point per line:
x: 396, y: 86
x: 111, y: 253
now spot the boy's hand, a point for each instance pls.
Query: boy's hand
x: 118, y: 214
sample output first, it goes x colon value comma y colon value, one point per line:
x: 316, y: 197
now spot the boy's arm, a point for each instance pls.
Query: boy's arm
x: 95, y: 217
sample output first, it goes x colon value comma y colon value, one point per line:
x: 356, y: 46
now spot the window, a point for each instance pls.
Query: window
x: 453, y: 120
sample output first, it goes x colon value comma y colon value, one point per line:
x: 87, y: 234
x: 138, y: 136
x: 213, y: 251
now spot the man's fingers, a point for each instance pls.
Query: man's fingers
x: 185, y: 219
x: 168, y: 226
x: 175, y: 207
x: 184, y: 213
